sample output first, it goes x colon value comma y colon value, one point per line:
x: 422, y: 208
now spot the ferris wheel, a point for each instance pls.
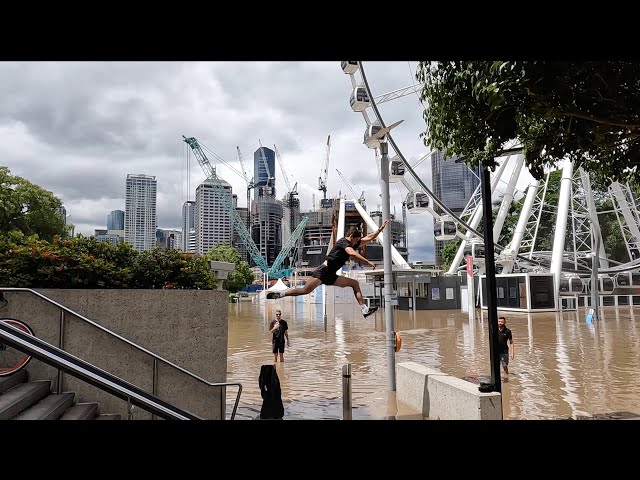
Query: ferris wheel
x: 577, y: 232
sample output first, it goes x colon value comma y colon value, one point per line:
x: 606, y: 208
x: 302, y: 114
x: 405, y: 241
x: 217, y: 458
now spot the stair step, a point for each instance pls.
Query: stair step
x: 22, y: 396
x: 108, y: 416
x: 80, y: 411
x: 10, y: 381
x: 50, y: 407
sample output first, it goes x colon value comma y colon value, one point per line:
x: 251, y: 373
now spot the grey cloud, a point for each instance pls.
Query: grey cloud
x: 87, y: 124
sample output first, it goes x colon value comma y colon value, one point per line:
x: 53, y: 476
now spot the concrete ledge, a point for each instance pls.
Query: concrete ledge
x: 452, y: 398
x: 443, y: 397
x: 411, y: 385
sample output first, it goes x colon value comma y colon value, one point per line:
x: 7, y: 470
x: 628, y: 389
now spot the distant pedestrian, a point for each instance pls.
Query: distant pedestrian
x: 504, y: 340
x: 280, y: 331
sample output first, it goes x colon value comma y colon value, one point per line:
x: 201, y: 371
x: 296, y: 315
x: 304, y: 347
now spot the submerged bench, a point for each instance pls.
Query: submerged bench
x: 443, y: 397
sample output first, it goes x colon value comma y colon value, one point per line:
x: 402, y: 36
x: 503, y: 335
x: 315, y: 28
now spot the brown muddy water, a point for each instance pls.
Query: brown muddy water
x: 563, y: 366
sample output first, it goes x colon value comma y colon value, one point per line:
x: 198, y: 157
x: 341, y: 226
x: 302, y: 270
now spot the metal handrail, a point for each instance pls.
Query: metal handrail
x: 102, y: 379
x: 138, y: 347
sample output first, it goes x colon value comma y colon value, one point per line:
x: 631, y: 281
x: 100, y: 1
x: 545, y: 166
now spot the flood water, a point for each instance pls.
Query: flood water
x: 563, y: 366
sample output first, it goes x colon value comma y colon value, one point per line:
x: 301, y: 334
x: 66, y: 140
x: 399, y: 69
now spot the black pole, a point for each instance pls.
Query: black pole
x: 492, y: 303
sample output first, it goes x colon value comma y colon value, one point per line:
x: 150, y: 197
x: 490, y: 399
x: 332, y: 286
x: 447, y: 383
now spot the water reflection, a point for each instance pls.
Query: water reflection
x: 563, y: 367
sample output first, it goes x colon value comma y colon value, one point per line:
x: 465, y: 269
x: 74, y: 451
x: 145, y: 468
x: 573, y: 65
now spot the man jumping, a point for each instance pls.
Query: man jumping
x: 338, y: 256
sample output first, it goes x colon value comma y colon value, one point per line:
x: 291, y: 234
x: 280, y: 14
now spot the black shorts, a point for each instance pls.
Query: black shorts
x: 327, y: 277
x: 278, y: 347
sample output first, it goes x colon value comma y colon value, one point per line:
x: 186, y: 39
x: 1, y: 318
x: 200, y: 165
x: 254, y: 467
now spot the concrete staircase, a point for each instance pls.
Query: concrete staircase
x: 21, y: 399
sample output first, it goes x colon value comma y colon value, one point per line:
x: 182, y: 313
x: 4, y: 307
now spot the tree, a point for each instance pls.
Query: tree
x: 28, y: 208
x: 588, y: 112
x: 241, y: 276
x: 448, y: 252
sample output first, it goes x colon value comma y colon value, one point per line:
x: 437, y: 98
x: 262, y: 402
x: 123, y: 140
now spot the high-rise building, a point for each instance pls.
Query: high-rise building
x: 212, y: 221
x: 291, y: 218
x: 169, y: 238
x: 238, y: 244
x: 266, y: 210
x: 62, y: 212
x: 266, y: 226
x: 453, y: 183
x: 188, y: 226
x: 140, y: 221
x: 115, y: 220
x: 108, y: 238
x: 265, y: 181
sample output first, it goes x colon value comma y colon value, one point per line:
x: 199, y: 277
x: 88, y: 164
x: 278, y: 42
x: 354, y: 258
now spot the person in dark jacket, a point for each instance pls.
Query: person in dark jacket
x: 272, y: 406
x: 338, y: 256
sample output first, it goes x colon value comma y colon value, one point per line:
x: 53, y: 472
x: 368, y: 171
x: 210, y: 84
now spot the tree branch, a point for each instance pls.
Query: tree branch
x: 591, y: 118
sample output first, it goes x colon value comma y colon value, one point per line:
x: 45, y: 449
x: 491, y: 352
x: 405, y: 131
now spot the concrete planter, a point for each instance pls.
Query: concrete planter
x: 187, y: 327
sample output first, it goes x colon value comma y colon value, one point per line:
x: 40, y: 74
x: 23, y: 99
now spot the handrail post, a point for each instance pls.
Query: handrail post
x: 61, y: 347
x: 154, y: 382
x: 223, y: 399
x: 129, y: 409
x: 346, y: 392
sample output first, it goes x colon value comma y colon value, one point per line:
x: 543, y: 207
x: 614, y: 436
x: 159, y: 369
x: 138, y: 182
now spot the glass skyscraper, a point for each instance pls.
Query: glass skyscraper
x: 453, y: 183
x: 115, y: 220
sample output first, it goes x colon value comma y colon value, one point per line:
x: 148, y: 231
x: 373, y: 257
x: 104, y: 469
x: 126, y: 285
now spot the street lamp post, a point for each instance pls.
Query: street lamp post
x: 492, y: 301
x: 388, y: 267
x: 380, y: 139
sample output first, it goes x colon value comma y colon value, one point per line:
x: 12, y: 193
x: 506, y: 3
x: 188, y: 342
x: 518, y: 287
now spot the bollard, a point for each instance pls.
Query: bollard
x: 346, y: 392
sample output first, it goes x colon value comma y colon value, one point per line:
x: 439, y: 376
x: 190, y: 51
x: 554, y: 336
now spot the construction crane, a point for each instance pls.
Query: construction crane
x: 348, y: 184
x: 274, y: 271
x: 291, y: 192
x: 322, y: 180
x: 218, y: 190
x: 250, y: 185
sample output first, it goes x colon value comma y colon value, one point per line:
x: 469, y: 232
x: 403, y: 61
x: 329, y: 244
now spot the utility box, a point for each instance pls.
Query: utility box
x: 221, y: 270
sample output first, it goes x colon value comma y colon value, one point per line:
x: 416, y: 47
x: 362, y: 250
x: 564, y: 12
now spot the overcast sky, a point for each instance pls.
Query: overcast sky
x: 78, y: 129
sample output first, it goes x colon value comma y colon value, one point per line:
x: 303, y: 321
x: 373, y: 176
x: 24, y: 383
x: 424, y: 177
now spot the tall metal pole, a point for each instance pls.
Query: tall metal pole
x: 492, y: 302
x: 594, y: 271
x: 388, y: 272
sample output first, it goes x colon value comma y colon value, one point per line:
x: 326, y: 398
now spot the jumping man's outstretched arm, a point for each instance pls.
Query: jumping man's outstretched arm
x: 351, y: 251
x: 374, y: 234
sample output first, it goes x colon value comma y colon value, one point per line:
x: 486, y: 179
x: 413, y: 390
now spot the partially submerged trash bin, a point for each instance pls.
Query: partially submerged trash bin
x: 272, y: 407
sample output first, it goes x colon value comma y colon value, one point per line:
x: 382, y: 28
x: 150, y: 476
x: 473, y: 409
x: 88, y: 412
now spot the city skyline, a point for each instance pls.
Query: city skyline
x: 129, y: 117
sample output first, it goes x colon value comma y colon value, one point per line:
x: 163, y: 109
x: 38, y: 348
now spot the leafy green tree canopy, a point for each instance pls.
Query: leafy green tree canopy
x: 588, y: 112
x: 28, y: 208
x: 241, y: 276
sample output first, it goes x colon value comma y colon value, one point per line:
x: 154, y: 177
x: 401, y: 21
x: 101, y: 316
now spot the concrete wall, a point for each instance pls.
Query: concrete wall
x: 186, y: 327
x: 443, y: 397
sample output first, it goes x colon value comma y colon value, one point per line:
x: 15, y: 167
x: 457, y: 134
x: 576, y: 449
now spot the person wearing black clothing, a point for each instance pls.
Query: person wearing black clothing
x: 504, y: 340
x: 280, y: 330
x: 338, y: 256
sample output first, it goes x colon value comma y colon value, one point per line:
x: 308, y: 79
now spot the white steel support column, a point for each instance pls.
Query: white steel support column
x: 507, y: 198
x: 561, y: 227
x: 340, y: 232
x: 586, y: 185
x: 397, y: 258
x: 625, y: 209
x: 524, y: 218
x: 475, y: 220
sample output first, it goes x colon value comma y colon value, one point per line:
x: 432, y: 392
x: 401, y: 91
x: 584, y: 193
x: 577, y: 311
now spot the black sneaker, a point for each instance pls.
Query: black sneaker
x: 371, y: 310
x: 272, y: 295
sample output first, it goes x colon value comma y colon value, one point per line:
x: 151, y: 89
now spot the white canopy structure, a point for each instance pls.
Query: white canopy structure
x: 279, y: 286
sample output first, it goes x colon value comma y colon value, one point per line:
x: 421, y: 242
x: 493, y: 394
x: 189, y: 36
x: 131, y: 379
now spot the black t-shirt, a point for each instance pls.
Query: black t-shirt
x: 278, y: 335
x: 504, y: 336
x: 338, y: 255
